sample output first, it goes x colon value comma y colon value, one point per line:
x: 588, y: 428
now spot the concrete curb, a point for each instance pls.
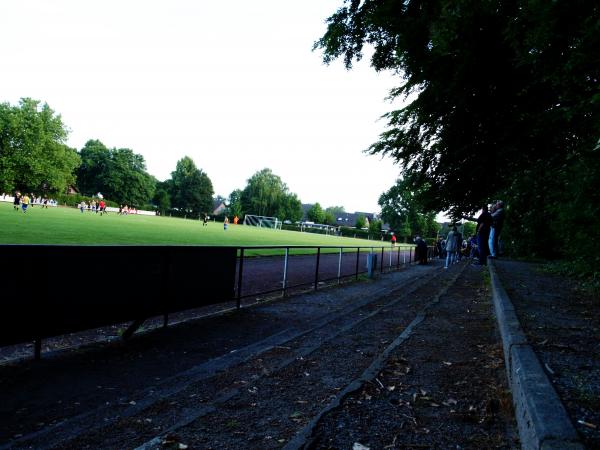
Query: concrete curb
x: 542, y: 420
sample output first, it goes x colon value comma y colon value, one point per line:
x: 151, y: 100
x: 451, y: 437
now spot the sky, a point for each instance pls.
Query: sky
x: 234, y: 85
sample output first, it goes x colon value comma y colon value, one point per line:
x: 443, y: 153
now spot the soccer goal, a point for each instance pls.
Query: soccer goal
x: 262, y: 221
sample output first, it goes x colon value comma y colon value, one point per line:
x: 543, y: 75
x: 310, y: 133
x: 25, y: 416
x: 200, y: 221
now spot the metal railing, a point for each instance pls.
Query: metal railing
x: 264, y: 275
x: 161, y: 276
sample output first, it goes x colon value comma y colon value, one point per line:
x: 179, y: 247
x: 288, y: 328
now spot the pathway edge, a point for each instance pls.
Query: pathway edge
x: 542, y: 420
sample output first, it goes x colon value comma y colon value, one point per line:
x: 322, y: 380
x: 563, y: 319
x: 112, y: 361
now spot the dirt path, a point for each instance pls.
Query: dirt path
x: 445, y: 387
x: 283, y: 374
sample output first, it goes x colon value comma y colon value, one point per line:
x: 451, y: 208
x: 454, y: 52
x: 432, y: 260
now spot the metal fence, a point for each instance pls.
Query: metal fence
x: 289, y: 268
x: 161, y: 280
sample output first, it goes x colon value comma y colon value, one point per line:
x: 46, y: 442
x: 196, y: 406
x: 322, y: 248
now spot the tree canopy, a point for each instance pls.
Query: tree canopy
x: 316, y: 213
x: 267, y: 195
x: 191, y: 188
x: 33, y: 153
x: 118, y: 173
x: 402, y: 210
x: 503, y: 100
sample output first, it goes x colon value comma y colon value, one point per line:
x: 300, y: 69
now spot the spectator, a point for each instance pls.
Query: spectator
x: 439, y: 248
x: 451, y: 246
x: 393, y: 240
x: 225, y: 223
x: 473, y: 247
x: 484, y: 223
x: 459, y: 242
x: 421, y: 250
x: 496, y: 228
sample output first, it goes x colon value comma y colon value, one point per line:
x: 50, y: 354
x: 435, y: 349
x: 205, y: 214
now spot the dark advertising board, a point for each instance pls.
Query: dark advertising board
x: 53, y: 290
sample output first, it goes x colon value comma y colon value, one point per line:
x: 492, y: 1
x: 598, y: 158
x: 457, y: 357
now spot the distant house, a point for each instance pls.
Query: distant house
x: 349, y: 219
x: 219, y: 208
x: 72, y: 190
x: 344, y: 219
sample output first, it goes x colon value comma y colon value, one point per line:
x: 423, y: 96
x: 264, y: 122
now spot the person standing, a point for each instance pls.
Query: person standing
x: 393, y: 240
x: 25, y: 203
x: 421, y: 250
x: 496, y: 228
x: 484, y: 224
x: 459, y: 241
x: 17, y: 201
x: 225, y: 223
x: 451, y: 246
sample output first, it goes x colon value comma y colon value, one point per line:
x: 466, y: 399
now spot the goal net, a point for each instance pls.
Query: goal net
x: 262, y: 221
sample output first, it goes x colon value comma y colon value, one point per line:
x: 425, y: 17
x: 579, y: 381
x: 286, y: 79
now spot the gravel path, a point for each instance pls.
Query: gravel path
x: 410, y: 359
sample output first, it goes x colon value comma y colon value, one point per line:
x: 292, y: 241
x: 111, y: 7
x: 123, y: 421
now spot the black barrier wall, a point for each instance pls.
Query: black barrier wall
x: 54, y: 290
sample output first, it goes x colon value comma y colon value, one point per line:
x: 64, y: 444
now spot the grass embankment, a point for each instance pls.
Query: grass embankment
x: 71, y: 227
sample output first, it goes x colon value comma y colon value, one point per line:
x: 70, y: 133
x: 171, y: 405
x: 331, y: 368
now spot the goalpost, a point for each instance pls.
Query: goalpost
x: 262, y: 221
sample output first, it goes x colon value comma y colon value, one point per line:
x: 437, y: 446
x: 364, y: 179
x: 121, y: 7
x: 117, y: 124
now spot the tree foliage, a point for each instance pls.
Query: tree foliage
x: 290, y: 208
x: 316, y: 214
x: 375, y: 227
x: 267, y: 195
x: 118, y: 173
x: 235, y: 203
x: 503, y: 101
x: 162, y: 198
x: 361, y: 222
x: 403, y: 211
x: 332, y: 213
x: 33, y: 153
x: 191, y: 189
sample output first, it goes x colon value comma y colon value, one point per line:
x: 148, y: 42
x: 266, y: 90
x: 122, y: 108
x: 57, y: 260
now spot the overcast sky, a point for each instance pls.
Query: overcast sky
x: 235, y: 85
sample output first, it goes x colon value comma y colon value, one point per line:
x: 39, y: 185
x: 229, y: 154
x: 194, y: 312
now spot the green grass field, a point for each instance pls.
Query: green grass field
x: 70, y: 226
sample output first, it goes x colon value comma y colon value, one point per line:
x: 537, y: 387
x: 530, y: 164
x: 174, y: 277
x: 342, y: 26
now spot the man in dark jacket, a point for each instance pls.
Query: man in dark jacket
x: 484, y: 224
x: 421, y: 250
x: 496, y: 229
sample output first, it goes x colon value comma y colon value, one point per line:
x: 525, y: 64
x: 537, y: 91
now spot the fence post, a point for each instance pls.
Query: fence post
x: 398, y: 264
x: 317, y: 269
x: 381, y: 268
x: 241, y: 272
x: 285, y: 266
x: 357, y: 258
x: 340, y: 267
x: 410, y: 255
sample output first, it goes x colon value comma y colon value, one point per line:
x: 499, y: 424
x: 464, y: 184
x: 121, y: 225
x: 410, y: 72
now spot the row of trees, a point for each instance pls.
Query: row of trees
x: 35, y: 158
x: 505, y: 103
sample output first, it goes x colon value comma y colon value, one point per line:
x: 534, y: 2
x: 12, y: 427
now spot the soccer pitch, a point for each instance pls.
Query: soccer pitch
x: 71, y: 227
